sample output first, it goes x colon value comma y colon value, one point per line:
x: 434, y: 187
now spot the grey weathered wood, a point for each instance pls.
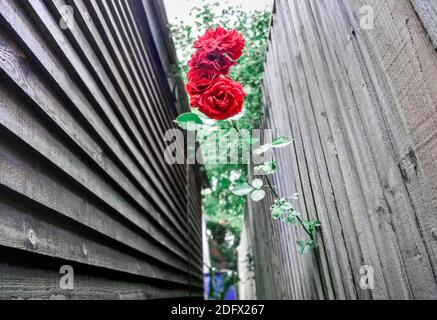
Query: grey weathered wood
x: 58, y: 37
x: 22, y: 122
x: 362, y: 108
x: 40, y: 280
x: 31, y: 86
x: 427, y: 11
x: 86, y: 109
x: 61, y: 239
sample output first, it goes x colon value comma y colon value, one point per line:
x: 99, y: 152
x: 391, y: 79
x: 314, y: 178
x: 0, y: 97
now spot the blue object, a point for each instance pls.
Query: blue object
x: 218, y: 279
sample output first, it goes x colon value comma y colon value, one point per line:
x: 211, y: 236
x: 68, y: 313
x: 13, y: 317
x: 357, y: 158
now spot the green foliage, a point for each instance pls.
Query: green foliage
x: 276, y: 143
x: 257, y: 183
x: 220, y: 205
x: 255, y: 190
x: 257, y: 195
x: 254, y: 26
x: 267, y: 168
x: 189, y: 121
x: 281, y: 142
x: 224, y: 202
x: 263, y: 148
x: 311, y: 225
x: 306, y: 245
x: 242, y: 189
x: 283, y: 208
x: 223, y: 240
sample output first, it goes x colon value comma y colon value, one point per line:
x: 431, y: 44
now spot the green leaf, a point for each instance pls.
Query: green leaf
x: 189, y: 121
x: 206, y: 121
x: 242, y: 189
x: 262, y: 149
x: 257, y: 183
x: 302, y: 246
x: 291, y: 219
x: 269, y: 167
x: 311, y: 225
x: 276, y: 209
x: 281, y: 142
x: 276, y: 214
x: 295, y: 196
x: 305, y: 245
x: 259, y: 168
x: 295, y: 213
x: 258, y: 195
x: 286, y: 206
x: 275, y: 206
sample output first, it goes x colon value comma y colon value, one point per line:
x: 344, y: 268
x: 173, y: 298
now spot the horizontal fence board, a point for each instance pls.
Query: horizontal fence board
x: 83, y: 112
x: 41, y: 280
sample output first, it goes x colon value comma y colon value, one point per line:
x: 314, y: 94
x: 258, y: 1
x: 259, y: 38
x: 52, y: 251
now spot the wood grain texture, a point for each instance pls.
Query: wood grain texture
x: 83, y: 112
x: 427, y: 12
x: 362, y: 107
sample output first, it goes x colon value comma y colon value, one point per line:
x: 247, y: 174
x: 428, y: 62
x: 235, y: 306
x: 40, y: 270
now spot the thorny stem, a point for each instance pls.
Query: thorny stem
x: 273, y: 190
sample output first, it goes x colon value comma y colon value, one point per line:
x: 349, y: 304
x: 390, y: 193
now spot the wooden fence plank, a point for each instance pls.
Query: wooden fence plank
x: 83, y: 112
x: 361, y: 105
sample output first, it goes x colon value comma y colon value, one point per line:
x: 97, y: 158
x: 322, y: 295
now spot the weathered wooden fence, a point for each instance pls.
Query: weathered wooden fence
x: 85, y: 100
x: 361, y: 104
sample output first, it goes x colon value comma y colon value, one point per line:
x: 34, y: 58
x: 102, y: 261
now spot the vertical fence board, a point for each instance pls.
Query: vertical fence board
x: 361, y: 106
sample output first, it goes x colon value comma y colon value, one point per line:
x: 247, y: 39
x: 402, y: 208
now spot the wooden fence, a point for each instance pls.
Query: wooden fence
x: 360, y: 101
x: 85, y: 99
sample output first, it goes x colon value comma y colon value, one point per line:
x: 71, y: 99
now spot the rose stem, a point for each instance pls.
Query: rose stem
x: 272, y: 189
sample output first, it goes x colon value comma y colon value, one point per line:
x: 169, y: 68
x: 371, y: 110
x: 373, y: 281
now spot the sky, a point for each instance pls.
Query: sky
x: 181, y: 8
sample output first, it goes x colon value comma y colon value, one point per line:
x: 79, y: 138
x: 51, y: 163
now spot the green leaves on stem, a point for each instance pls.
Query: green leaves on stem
x: 220, y: 203
x: 306, y: 245
x: 242, y: 189
x: 257, y: 183
x: 258, y: 195
x: 266, y: 168
x: 311, y: 225
x: 255, y: 190
x: 276, y: 143
x: 263, y: 148
x: 282, y: 209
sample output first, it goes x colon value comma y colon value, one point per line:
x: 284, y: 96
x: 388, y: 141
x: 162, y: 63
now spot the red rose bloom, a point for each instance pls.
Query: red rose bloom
x: 222, y: 100
x: 221, y: 41
x: 200, y: 78
x: 214, y: 94
x: 218, y: 61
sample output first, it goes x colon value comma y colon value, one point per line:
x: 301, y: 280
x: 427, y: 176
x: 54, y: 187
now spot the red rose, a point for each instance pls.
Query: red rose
x: 218, y: 61
x: 222, y: 100
x: 200, y: 78
x: 216, y: 95
x: 221, y: 41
